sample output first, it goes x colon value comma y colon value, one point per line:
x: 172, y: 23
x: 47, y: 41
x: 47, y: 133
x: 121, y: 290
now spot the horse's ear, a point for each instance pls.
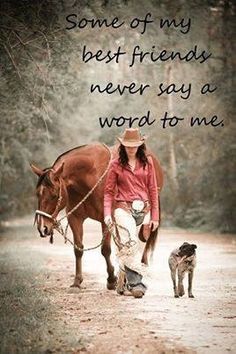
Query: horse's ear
x: 58, y: 171
x: 36, y: 170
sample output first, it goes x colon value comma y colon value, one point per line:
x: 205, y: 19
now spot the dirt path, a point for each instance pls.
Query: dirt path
x: 41, y: 314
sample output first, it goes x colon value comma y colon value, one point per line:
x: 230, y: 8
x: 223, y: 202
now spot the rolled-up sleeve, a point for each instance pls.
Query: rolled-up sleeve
x: 153, y: 192
x: 109, y: 190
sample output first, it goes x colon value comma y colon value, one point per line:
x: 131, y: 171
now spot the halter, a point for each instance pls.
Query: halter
x: 56, y: 223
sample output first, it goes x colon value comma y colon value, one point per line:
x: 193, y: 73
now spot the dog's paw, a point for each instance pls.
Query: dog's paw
x: 181, y: 292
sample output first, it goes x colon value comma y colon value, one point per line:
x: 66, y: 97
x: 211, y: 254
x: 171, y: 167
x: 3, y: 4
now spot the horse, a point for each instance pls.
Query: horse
x: 73, y: 178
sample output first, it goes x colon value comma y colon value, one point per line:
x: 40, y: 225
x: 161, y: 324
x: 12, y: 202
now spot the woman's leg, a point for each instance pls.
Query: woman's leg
x: 128, y: 253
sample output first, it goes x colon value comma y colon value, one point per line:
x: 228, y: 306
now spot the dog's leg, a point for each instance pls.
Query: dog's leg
x: 180, y: 282
x: 190, y: 283
x: 173, y: 277
x: 173, y: 266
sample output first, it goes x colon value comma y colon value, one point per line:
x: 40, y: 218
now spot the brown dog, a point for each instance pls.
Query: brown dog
x: 183, y: 259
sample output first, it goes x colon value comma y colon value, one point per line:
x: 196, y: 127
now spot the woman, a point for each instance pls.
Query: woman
x: 131, y: 199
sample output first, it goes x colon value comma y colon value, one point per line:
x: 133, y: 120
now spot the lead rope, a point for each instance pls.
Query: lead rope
x: 110, y: 228
x: 91, y: 190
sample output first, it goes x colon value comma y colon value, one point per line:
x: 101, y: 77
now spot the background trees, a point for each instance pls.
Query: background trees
x: 46, y: 107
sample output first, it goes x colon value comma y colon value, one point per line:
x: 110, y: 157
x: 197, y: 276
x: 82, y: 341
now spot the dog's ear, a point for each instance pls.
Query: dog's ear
x: 183, y: 245
x: 195, y: 246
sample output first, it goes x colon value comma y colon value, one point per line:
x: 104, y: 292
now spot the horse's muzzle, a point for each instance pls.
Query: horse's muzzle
x: 45, y: 231
x: 44, y: 223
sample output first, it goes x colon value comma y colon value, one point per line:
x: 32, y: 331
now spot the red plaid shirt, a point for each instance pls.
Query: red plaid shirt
x: 123, y: 184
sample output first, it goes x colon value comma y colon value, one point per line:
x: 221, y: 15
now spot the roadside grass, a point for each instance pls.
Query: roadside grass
x: 29, y: 320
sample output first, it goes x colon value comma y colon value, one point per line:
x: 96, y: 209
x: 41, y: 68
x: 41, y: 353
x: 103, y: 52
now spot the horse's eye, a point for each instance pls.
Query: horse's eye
x: 54, y: 196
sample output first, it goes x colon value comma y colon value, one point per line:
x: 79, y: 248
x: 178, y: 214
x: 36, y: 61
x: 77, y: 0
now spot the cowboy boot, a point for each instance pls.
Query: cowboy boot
x: 135, y: 285
x: 121, y: 287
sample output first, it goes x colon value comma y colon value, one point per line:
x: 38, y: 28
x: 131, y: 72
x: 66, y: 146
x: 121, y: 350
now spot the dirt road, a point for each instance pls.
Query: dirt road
x: 40, y: 313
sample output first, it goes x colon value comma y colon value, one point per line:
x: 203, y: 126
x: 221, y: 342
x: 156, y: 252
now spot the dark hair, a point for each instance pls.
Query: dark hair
x: 140, y: 154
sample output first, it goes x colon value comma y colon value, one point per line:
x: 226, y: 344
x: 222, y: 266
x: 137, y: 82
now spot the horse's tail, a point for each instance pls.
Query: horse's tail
x: 151, y: 242
x: 149, y: 247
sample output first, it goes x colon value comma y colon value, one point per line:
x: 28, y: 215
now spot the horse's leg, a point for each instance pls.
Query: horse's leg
x: 106, y: 252
x: 76, y: 224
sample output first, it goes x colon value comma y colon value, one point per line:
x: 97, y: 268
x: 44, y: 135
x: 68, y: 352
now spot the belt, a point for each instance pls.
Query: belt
x: 127, y: 205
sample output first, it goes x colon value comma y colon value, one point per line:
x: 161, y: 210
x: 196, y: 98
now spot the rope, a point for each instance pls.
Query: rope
x: 110, y: 228
x: 91, y: 190
x: 57, y: 224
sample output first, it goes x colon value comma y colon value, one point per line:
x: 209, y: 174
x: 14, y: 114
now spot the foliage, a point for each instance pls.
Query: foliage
x: 46, y: 107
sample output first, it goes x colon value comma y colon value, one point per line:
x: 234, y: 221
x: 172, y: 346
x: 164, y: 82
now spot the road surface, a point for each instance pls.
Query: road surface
x: 40, y: 313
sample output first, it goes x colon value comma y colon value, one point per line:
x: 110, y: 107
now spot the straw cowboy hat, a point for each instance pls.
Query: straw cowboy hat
x: 132, y: 138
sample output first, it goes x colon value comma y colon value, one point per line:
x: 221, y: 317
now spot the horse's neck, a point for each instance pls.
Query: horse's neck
x: 82, y: 170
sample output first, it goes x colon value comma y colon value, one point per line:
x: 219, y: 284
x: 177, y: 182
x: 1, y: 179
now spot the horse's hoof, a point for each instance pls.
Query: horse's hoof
x: 191, y: 295
x: 112, y: 283
x: 74, y: 290
x: 177, y: 296
x: 111, y: 286
x: 75, y: 285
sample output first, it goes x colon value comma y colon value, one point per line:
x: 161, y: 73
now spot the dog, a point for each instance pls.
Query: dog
x: 183, y: 259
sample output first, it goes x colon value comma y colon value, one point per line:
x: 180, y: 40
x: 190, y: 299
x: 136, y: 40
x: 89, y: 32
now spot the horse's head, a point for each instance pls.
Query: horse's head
x: 50, y: 192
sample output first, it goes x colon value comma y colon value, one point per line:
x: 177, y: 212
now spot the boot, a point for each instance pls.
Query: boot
x: 135, y: 285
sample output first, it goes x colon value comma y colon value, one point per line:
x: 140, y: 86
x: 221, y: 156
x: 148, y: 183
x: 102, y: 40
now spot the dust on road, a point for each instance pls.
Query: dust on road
x: 40, y: 313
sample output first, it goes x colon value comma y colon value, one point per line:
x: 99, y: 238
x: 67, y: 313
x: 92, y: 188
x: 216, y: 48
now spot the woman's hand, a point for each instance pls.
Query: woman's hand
x: 153, y: 225
x: 108, y: 220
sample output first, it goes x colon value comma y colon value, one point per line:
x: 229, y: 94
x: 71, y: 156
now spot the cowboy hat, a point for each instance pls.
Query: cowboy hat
x: 132, y: 138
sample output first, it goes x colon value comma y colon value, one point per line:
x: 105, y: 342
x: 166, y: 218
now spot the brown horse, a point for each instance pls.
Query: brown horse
x: 65, y: 184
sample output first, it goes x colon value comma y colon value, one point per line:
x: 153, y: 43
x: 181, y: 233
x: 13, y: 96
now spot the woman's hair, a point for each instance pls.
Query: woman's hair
x: 140, y: 154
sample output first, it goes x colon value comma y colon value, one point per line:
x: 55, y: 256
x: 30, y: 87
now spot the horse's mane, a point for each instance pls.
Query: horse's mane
x: 44, y: 179
x: 67, y: 152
